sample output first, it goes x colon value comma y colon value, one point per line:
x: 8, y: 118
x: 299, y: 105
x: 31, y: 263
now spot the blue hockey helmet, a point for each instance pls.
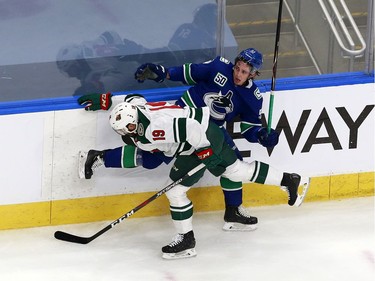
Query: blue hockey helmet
x: 252, y: 57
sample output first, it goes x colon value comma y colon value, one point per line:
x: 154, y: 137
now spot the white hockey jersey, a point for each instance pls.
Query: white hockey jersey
x: 171, y: 129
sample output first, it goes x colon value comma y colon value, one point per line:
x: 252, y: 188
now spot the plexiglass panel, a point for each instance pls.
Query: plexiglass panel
x: 53, y: 48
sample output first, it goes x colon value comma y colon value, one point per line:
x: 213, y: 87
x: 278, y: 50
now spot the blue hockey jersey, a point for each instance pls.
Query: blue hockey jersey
x: 213, y: 86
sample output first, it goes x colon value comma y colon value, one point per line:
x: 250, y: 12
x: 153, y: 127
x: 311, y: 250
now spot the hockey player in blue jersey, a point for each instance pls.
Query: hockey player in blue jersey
x: 229, y: 91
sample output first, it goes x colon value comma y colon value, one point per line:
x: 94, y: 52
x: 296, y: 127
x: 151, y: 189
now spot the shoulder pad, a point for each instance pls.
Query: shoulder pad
x: 224, y: 60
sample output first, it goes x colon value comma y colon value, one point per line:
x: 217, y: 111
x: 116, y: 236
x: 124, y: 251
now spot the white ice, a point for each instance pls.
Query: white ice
x: 323, y: 241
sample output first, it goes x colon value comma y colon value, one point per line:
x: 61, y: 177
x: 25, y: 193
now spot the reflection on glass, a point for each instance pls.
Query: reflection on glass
x: 62, y: 48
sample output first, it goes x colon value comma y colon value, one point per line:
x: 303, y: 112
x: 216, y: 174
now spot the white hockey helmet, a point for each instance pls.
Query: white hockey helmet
x: 124, y: 119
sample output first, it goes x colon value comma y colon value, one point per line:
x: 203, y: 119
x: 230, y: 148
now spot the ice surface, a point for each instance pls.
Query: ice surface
x: 323, y: 241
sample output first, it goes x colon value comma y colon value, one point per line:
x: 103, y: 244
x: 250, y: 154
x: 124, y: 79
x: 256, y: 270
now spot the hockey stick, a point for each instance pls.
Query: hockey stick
x: 274, y: 68
x: 85, y: 240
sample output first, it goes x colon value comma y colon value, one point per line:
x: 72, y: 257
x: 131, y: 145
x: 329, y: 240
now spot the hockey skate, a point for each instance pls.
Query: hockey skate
x: 181, y: 247
x: 237, y: 219
x: 290, y: 184
x: 88, y: 162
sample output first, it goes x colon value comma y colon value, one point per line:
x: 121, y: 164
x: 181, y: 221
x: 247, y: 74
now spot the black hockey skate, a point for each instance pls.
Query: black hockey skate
x: 290, y: 183
x: 89, y: 162
x: 182, y: 246
x: 237, y: 219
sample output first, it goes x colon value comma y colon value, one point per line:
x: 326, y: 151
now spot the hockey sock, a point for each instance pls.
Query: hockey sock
x: 232, y: 192
x: 265, y: 174
x: 112, y: 158
x: 121, y: 157
x: 182, y: 217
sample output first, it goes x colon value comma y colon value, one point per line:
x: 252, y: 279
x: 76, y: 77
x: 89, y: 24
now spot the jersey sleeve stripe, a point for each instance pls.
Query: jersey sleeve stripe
x: 187, y: 74
x: 182, y: 129
x: 179, y: 130
x: 186, y: 98
x: 244, y: 126
x: 175, y: 130
x: 198, y: 114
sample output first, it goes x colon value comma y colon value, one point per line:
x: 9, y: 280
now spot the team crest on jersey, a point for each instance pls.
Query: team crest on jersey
x: 140, y: 130
x: 220, y: 79
x: 219, y: 105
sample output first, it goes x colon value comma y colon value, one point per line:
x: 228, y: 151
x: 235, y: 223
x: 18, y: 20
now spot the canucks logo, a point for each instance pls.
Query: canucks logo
x: 219, y: 105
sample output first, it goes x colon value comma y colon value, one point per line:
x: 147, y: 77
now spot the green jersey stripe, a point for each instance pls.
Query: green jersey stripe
x: 187, y: 74
x: 246, y: 126
x: 182, y: 135
x: 186, y: 98
x: 199, y: 115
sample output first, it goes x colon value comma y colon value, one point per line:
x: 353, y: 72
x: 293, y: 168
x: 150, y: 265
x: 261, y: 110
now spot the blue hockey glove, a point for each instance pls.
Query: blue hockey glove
x: 268, y: 139
x: 211, y: 160
x: 150, y: 71
x: 93, y: 102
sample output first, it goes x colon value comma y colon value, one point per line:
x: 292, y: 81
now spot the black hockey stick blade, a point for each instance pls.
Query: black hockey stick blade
x: 61, y: 235
x: 64, y: 236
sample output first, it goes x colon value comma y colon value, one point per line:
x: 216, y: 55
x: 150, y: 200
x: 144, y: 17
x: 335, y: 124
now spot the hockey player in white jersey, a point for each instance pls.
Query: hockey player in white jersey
x: 188, y: 135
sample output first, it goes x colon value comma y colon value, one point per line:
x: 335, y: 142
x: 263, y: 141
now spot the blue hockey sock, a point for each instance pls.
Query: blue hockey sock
x: 233, y: 197
x: 129, y: 156
x: 232, y: 192
x: 113, y: 158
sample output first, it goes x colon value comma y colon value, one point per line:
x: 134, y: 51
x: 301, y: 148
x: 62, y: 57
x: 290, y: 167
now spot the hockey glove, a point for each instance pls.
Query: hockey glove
x: 268, y: 139
x: 150, y: 71
x: 93, y: 102
x: 211, y: 160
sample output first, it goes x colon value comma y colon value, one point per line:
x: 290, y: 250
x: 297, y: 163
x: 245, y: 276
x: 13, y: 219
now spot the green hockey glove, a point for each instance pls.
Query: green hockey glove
x: 93, y: 102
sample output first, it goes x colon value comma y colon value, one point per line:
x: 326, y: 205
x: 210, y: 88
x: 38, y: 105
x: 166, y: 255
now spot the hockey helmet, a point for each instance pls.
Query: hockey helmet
x: 252, y: 57
x: 123, y: 115
x: 68, y: 60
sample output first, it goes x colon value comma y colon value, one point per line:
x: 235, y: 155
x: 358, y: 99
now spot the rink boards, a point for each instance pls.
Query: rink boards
x: 327, y: 133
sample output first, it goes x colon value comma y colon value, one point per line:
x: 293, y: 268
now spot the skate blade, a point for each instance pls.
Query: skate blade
x: 82, y: 156
x: 189, y: 253
x: 301, y: 197
x: 234, y: 226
